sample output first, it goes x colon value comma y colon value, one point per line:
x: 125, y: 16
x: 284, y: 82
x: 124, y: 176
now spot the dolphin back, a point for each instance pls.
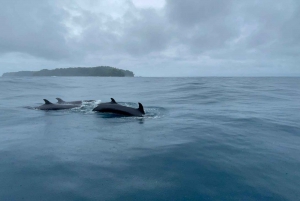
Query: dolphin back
x: 59, y: 100
x: 114, y: 107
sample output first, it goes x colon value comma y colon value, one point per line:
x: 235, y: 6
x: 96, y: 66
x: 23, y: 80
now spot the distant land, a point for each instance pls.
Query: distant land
x: 101, y: 71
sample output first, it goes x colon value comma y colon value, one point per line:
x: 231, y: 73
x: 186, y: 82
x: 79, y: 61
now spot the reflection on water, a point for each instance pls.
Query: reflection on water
x: 201, y: 139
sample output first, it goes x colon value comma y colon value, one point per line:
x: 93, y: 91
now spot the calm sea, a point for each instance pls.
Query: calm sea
x: 201, y: 139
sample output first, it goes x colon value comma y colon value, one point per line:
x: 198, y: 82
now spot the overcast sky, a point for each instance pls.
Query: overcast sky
x: 153, y: 37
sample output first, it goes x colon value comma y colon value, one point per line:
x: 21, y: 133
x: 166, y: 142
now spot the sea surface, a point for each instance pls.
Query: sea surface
x: 201, y: 139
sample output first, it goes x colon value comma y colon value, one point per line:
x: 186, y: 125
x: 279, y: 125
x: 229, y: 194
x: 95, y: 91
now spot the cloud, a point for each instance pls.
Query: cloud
x: 34, y: 28
x: 149, y: 3
x: 209, y: 37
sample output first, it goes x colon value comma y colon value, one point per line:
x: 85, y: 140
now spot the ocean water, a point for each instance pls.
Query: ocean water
x: 201, y: 139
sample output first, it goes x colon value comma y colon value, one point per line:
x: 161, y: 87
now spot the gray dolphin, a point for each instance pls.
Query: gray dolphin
x: 114, y: 107
x: 50, y: 106
x: 61, y: 101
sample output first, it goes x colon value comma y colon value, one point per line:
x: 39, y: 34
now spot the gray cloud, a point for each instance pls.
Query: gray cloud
x: 32, y: 27
x: 146, y: 33
x: 194, y: 13
x: 190, y: 38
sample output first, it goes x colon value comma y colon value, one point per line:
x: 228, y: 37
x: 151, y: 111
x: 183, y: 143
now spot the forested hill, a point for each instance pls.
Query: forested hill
x: 101, y: 71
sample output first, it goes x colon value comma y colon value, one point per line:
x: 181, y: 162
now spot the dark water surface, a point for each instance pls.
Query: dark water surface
x: 202, y: 139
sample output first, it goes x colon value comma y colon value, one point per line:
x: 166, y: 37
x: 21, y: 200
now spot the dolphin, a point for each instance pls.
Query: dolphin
x: 114, y: 107
x: 61, y: 101
x: 50, y: 106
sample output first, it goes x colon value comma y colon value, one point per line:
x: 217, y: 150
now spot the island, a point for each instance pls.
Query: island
x: 100, y: 71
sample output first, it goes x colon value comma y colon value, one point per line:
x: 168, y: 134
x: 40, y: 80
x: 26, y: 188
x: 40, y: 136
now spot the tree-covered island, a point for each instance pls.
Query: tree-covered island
x: 101, y: 71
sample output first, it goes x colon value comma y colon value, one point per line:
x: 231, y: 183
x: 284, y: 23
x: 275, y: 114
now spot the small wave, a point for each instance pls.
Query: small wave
x: 154, y: 112
x: 30, y: 107
x: 97, y: 102
x: 86, y: 107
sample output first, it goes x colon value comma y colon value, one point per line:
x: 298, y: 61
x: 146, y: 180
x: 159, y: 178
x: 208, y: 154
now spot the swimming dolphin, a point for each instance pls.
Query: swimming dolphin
x: 60, y: 101
x: 50, y: 106
x: 114, y: 107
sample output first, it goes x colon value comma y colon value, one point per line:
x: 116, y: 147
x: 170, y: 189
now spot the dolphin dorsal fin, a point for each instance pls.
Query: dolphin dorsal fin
x: 60, y: 100
x: 47, y: 102
x: 141, y: 108
x: 113, y: 101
